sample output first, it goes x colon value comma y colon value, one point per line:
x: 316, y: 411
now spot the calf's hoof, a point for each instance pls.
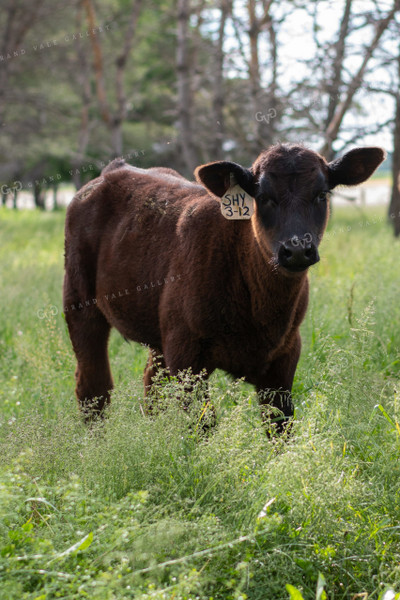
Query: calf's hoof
x: 93, y: 411
x: 279, y: 415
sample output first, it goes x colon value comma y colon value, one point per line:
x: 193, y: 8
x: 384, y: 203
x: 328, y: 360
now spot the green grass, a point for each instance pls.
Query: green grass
x: 146, y: 507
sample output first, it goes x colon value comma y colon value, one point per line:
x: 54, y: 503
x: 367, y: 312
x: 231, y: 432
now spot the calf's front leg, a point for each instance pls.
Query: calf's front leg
x: 181, y: 352
x: 274, y: 387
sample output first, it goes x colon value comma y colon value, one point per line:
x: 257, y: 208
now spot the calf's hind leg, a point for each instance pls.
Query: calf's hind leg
x: 181, y: 353
x: 89, y: 332
x: 155, y: 365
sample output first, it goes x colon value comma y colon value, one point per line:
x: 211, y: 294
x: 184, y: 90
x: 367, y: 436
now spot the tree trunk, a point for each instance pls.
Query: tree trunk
x: 38, y: 196
x: 97, y: 62
x: 113, y: 119
x: 394, y: 208
x: 15, y: 198
x: 395, y: 203
x: 333, y: 87
x: 83, y: 137
x: 264, y: 103
x: 254, y: 72
x: 55, y: 201
x: 84, y: 81
x: 185, y: 125
x: 121, y: 112
x: 218, y: 100
x: 116, y: 137
x: 273, y: 106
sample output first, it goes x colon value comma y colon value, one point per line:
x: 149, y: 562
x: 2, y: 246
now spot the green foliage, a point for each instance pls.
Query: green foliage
x: 150, y: 506
x: 44, y: 110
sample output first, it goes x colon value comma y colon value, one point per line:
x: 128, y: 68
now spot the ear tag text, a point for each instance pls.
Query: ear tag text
x: 236, y: 204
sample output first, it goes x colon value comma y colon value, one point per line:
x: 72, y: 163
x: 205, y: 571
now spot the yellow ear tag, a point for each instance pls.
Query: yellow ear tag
x: 236, y: 204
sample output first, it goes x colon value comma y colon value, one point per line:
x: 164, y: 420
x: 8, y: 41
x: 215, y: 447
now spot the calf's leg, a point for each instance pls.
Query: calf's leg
x: 181, y: 352
x: 155, y: 362
x: 275, y: 386
x: 89, y: 332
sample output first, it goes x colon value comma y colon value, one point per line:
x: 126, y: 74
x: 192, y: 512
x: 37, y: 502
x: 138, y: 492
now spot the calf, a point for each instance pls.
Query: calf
x: 149, y: 253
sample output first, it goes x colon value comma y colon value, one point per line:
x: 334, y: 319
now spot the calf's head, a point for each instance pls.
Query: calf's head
x: 290, y: 185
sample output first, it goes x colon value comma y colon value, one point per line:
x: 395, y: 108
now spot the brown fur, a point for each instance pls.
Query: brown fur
x: 149, y: 253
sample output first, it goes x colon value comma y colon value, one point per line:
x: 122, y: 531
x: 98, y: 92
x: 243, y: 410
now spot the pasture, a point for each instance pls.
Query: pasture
x: 146, y: 507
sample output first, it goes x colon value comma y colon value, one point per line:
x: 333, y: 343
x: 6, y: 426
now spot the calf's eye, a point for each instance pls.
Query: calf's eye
x: 322, y: 197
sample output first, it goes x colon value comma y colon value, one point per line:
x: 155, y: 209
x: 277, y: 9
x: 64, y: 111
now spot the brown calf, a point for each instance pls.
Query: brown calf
x: 150, y: 253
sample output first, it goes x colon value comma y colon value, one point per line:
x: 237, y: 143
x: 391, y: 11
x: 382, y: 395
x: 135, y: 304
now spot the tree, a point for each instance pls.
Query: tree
x: 19, y: 18
x: 113, y: 117
x: 394, y: 207
x: 333, y: 127
x: 185, y: 92
x: 225, y: 9
x: 184, y: 82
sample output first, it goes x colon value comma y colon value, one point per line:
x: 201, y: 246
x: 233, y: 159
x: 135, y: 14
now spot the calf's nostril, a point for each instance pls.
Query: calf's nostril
x: 309, y: 253
x: 286, y: 252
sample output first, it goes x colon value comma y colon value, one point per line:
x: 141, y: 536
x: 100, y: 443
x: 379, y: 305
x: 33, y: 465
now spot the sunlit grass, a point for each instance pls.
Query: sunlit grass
x: 149, y: 507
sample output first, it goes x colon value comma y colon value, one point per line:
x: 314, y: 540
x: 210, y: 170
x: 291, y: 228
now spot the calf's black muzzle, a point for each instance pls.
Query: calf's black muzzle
x: 297, y: 254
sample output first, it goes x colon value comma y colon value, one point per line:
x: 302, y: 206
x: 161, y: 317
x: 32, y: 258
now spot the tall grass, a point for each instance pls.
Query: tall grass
x: 150, y: 507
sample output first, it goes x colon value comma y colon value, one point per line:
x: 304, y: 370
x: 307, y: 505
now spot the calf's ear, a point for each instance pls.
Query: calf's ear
x: 216, y: 177
x: 355, y: 166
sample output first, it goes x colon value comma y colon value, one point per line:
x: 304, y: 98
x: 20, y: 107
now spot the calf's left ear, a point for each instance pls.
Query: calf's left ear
x: 216, y: 177
x: 355, y: 166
